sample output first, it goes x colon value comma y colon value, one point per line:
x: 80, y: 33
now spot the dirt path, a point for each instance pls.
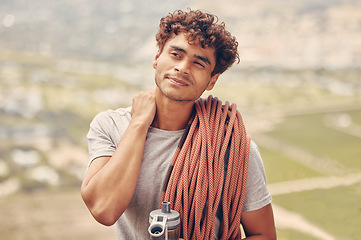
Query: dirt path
x: 313, y: 183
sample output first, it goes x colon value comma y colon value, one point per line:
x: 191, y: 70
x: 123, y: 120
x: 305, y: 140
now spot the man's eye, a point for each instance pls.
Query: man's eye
x: 175, y: 54
x: 199, y: 64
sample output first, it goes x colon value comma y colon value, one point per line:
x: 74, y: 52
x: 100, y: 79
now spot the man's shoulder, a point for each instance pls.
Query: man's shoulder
x: 115, y: 116
x: 253, y: 147
x: 120, y: 112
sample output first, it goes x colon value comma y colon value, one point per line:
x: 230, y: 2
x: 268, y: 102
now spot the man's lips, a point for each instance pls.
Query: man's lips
x: 180, y: 82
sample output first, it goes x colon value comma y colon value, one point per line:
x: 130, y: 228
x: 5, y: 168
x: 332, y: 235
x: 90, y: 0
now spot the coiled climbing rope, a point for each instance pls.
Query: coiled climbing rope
x: 197, y: 181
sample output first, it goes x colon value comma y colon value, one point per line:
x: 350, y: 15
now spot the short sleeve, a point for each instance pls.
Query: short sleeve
x: 257, y: 194
x: 105, y: 132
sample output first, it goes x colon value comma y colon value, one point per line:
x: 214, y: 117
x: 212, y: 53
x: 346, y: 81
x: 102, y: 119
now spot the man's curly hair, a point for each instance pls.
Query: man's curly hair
x: 202, y: 28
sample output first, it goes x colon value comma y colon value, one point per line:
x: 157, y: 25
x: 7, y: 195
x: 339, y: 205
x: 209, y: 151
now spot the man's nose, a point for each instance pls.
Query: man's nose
x: 182, y: 67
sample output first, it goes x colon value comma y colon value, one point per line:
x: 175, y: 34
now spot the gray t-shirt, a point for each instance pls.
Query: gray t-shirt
x: 104, y: 135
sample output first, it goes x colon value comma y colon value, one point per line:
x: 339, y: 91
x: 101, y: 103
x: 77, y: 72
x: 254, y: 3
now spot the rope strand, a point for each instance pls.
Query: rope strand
x: 198, y: 183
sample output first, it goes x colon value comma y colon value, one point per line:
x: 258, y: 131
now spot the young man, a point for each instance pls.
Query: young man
x: 131, y: 149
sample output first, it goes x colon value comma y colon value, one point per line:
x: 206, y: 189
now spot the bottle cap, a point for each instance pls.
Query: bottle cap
x: 173, y: 218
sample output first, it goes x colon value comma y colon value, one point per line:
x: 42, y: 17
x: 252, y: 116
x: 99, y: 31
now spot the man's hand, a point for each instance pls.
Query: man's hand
x: 144, y: 108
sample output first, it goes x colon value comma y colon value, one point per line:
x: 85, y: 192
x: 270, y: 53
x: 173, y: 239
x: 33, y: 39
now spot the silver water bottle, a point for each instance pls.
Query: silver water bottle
x: 164, y: 223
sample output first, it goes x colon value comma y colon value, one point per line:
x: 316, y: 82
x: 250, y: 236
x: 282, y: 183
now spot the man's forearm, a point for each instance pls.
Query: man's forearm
x: 109, y: 183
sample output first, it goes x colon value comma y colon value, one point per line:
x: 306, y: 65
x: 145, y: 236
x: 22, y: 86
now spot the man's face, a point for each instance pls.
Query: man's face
x: 184, y: 71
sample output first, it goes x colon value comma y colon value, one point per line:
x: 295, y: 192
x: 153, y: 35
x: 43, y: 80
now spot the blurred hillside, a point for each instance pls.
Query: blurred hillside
x: 285, y: 33
x: 295, y: 33
x: 112, y: 30
x: 298, y: 88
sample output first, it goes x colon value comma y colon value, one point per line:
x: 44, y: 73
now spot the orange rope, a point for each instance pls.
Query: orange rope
x: 195, y: 184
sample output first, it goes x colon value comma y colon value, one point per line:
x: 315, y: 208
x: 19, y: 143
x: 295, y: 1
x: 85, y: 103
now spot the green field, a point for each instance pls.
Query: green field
x: 281, y: 168
x: 336, y: 210
x: 309, y: 133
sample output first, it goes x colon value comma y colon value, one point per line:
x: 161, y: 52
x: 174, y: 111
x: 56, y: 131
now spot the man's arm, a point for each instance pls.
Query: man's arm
x: 259, y: 224
x: 109, y: 183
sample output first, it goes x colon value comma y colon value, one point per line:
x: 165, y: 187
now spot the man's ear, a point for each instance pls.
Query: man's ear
x: 155, y: 61
x: 213, y: 81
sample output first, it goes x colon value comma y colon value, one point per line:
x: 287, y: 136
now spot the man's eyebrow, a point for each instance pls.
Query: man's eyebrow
x: 204, y: 59
x: 178, y: 49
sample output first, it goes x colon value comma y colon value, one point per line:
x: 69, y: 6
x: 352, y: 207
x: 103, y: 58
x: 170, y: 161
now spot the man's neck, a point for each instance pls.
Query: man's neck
x: 172, y: 115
